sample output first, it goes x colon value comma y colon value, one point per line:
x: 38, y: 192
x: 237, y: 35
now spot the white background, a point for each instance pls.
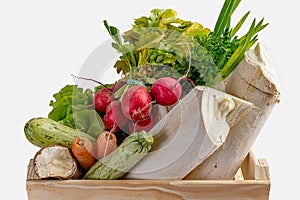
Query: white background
x: 43, y: 42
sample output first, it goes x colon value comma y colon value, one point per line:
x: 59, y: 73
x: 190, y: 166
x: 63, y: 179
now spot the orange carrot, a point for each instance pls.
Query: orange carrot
x: 106, y: 143
x: 83, y: 150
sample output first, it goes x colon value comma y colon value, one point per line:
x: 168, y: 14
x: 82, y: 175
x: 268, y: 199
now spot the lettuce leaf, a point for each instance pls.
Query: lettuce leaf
x: 71, y: 108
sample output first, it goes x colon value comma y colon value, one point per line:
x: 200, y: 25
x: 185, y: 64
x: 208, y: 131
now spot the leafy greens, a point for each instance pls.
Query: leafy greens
x: 165, y: 45
x: 70, y: 108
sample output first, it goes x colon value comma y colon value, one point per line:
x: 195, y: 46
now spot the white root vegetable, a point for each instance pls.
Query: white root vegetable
x: 190, y: 132
x: 55, y: 162
x: 255, y: 81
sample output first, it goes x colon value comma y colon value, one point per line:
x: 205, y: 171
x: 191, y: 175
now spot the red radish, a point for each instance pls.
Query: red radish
x: 102, y: 98
x: 114, y: 117
x: 109, y: 122
x: 120, y: 118
x: 145, y: 125
x: 166, y: 91
x: 136, y: 103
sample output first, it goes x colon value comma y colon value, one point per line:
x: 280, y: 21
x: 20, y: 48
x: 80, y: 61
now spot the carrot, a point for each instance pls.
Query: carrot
x: 106, y: 143
x: 83, y: 150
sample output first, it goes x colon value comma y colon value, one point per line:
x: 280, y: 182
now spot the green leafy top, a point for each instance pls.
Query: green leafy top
x: 165, y: 45
x: 155, y: 43
x: 243, y: 43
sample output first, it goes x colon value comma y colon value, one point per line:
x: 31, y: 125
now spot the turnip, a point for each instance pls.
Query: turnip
x: 166, y: 91
x: 102, y: 99
x: 136, y: 103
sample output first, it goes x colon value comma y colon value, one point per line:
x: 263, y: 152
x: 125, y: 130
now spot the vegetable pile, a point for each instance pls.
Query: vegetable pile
x: 162, y: 57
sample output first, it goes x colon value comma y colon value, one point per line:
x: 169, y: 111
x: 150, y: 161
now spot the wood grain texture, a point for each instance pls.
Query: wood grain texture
x: 147, y: 189
x: 255, y: 169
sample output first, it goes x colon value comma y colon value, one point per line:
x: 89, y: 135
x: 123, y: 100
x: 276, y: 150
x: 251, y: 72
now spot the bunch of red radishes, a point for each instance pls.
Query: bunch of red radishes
x: 132, y: 111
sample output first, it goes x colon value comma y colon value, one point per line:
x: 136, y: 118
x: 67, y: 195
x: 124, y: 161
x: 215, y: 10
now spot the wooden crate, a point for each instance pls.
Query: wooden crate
x: 252, y: 181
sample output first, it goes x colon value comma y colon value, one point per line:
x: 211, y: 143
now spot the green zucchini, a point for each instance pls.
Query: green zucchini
x: 44, y: 132
x: 120, y: 161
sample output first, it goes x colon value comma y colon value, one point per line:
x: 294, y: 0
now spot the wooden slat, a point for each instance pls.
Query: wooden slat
x: 254, y: 169
x: 263, y: 172
x: 239, y: 175
x: 147, y: 189
x: 248, y: 167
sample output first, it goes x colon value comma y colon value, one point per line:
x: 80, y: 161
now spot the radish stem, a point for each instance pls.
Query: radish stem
x: 88, y: 79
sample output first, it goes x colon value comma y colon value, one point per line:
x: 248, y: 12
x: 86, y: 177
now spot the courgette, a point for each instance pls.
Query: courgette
x: 44, y: 132
x: 120, y: 161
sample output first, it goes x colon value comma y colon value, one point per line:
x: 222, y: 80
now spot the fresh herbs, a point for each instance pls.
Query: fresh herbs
x: 243, y: 43
x: 165, y: 45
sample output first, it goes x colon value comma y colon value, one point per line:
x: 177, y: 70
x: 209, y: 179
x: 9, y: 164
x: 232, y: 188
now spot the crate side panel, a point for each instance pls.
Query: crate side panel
x: 141, y: 189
